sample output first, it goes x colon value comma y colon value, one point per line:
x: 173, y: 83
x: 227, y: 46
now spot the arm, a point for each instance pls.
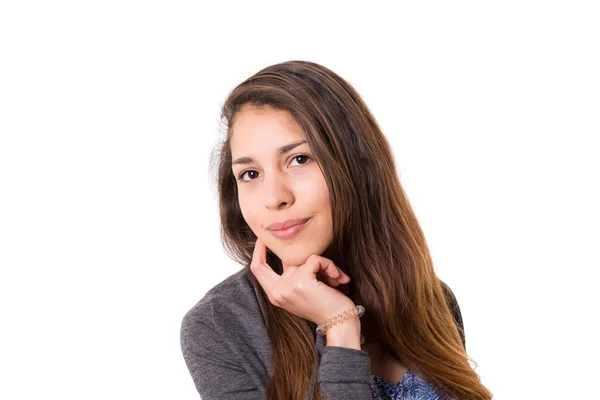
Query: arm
x: 344, y: 372
x: 344, y: 369
x: 213, y: 365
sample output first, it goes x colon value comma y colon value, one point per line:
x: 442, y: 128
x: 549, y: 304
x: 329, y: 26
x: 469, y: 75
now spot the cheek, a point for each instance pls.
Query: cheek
x: 325, y: 206
x: 253, y: 217
x: 248, y: 213
x: 321, y: 193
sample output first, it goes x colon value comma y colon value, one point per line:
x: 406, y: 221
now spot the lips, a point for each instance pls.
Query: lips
x: 279, y: 226
x: 292, y: 231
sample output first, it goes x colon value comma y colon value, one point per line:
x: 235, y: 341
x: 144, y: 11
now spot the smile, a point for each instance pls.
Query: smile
x: 290, y: 232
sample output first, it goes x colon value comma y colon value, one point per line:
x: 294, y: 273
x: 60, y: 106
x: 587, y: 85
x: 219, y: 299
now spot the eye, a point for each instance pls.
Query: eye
x: 240, y: 178
x: 299, y: 156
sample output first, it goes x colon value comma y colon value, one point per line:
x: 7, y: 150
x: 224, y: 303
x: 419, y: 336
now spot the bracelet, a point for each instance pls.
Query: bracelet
x: 322, y: 329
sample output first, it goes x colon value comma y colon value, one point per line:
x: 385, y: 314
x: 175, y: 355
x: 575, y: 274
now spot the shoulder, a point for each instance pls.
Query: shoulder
x: 229, y: 312
x: 449, y: 294
x: 224, y: 340
x: 235, y: 297
x: 454, y: 309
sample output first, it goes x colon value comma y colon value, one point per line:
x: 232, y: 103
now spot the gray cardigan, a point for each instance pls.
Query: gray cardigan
x: 226, y: 347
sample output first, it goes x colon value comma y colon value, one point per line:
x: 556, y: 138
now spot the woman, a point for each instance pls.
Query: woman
x: 312, y: 207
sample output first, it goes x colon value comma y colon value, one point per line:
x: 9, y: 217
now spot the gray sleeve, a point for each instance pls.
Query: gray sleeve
x: 213, y: 365
x: 455, y: 310
x: 226, y: 360
x: 345, y: 373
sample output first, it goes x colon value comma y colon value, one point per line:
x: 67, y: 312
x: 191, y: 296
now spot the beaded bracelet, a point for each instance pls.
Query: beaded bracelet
x: 322, y: 329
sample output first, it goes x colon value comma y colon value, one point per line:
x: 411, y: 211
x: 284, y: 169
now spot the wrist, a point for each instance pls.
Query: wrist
x: 345, y: 334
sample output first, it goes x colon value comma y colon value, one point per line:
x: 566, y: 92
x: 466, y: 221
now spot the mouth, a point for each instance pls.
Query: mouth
x: 278, y: 226
x: 290, y: 231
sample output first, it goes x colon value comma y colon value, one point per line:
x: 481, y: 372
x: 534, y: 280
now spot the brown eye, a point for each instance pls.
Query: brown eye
x: 241, y: 177
x: 301, y: 156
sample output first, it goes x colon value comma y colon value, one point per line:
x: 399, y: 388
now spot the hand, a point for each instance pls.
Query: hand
x: 298, y: 290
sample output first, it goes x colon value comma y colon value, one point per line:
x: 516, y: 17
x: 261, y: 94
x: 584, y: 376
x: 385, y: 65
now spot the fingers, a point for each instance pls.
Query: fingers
x: 261, y: 270
x: 344, y: 278
x: 332, y: 275
x: 316, y: 265
x: 328, y: 280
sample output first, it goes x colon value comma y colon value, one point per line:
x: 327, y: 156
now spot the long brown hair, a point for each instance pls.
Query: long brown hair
x: 377, y: 239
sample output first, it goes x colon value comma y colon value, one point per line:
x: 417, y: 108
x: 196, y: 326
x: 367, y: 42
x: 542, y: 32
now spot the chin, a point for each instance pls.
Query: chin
x: 297, y: 255
x: 296, y: 258
x: 290, y: 258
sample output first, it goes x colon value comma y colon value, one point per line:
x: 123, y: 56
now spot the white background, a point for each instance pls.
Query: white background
x: 109, y: 226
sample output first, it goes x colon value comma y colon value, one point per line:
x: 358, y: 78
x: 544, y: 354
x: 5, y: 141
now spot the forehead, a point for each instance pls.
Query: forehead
x: 256, y: 130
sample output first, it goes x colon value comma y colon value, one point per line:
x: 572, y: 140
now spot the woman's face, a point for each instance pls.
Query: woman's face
x: 275, y: 186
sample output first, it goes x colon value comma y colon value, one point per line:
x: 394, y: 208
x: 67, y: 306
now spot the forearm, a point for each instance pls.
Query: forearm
x: 344, y: 370
x: 344, y: 334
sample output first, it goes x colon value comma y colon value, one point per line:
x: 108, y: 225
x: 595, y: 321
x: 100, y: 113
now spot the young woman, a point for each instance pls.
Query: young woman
x: 312, y: 207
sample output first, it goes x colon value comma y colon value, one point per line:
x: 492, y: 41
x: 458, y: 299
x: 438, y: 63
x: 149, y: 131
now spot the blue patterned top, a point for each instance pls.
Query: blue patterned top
x: 409, y: 387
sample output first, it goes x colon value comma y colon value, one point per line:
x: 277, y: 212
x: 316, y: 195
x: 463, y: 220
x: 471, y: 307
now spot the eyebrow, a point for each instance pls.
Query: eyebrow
x: 281, y: 151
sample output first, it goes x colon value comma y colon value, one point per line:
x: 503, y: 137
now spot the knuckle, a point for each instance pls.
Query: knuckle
x: 278, y: 297
x: 285, y: 295
x: 299, y: 287
x: 273, y: 300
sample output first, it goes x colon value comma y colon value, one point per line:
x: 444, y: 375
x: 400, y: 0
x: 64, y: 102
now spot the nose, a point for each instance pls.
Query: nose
x: 277, y: 191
